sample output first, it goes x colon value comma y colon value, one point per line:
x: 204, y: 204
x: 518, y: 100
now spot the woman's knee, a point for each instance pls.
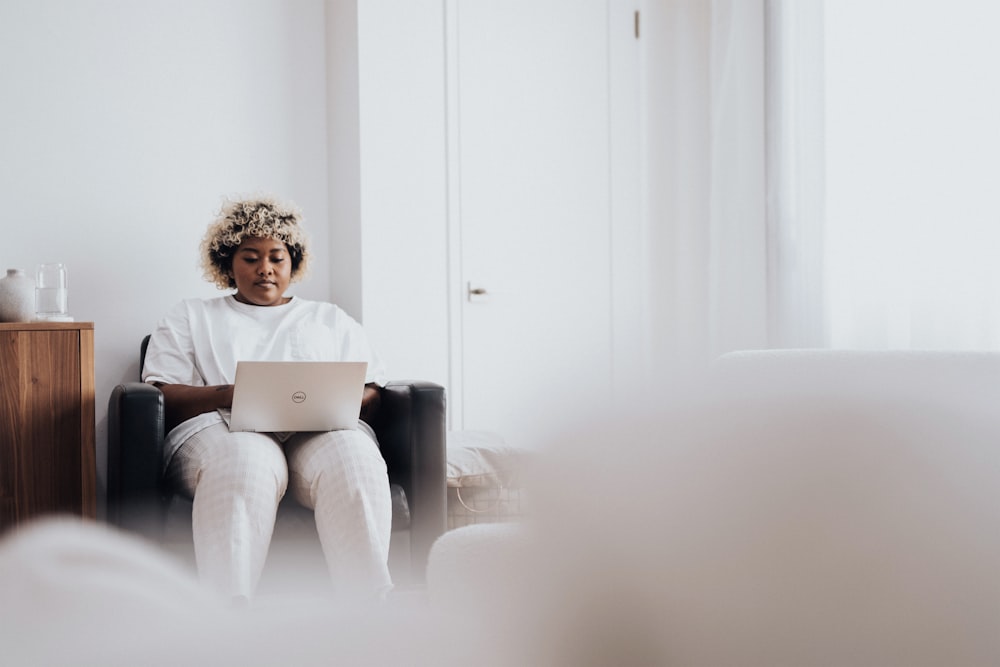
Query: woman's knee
x: 357, y: 450
x: 249, y: 460
x: 340, y: 454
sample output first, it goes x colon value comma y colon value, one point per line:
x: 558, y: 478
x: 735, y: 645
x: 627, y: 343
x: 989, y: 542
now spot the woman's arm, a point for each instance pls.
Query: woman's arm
x: 182, y: 402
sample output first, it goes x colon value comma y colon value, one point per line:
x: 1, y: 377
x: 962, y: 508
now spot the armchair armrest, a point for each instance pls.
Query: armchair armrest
x: 135, y: 458
x: 411, y: 430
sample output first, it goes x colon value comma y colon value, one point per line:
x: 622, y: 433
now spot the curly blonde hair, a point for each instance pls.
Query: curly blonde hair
x: 258, y: 217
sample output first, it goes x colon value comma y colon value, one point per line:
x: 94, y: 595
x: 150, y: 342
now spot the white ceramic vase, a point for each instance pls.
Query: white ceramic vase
x: 17, y: 297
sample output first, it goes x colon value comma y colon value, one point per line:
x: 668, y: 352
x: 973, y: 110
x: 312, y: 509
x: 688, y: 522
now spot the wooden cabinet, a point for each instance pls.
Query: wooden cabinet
x: 47, y: 456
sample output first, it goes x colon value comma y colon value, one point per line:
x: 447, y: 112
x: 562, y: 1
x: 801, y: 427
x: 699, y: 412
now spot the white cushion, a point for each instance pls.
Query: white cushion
x: 481, y: 458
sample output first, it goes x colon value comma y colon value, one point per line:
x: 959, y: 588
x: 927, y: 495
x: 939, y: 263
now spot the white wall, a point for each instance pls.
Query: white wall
x: 344, y: 154
x: 404, y: 223
x: 123, y: 123
x: 388, y: 187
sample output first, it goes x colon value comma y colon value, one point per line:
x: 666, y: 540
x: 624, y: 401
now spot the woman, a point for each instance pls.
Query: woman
x: 257, y: 247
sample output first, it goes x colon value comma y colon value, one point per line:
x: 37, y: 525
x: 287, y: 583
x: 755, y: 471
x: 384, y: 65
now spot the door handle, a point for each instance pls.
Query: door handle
x: 477, y: 294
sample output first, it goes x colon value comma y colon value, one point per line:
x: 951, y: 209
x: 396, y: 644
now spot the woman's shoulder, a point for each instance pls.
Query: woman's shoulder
x: 312, y: 305
x: 325, y: 310
x: 195, y: 308
x: 193, y: 304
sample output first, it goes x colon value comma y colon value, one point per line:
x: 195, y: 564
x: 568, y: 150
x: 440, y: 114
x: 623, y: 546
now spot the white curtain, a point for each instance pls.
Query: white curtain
x: 822, y: 174
x: 795, y: 173
x: 705, y: 201
x: 883, y: 160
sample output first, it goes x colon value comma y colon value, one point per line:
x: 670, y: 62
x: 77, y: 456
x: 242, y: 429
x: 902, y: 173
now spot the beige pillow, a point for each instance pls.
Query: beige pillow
x: 481, y: 458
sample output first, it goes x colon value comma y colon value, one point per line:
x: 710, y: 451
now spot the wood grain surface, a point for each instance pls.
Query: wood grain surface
x: 47, y: 448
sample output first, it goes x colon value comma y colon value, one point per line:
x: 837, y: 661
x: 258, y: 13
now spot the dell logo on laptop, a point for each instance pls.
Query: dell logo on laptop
x: 299, y: 397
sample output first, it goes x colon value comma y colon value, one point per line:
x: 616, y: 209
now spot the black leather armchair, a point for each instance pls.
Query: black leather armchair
x: 410, y: 426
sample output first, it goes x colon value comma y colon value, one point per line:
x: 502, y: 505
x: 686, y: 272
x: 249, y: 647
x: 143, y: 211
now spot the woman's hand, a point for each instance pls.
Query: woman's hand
x: 370, y: 401
x: 182, y: 402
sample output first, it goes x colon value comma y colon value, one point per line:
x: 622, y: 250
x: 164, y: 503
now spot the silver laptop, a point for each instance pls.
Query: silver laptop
x: 290, y: 396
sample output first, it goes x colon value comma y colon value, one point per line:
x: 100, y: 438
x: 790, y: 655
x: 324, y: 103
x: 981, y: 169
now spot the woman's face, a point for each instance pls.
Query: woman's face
x: 262, y: 269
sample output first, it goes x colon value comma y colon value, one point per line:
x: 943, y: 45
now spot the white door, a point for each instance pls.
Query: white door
x: 531, y: 210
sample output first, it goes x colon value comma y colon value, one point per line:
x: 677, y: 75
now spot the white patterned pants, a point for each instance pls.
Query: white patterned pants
x: 237, y: 480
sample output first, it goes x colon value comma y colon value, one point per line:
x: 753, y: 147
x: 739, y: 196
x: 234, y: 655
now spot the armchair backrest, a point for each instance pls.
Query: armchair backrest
x: 142, y: 353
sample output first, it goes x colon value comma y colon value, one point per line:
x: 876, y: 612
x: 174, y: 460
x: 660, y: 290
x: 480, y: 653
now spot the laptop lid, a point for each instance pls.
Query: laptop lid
x: 284, y: 396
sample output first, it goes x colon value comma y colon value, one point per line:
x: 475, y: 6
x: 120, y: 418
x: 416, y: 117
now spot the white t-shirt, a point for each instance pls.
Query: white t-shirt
x: 199, y: 341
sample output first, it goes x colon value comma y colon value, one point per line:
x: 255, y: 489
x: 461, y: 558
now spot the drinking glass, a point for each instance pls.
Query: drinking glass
x: 51, y: 293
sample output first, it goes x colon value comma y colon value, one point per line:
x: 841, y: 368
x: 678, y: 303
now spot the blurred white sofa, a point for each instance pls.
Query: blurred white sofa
x: 794, y: 507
